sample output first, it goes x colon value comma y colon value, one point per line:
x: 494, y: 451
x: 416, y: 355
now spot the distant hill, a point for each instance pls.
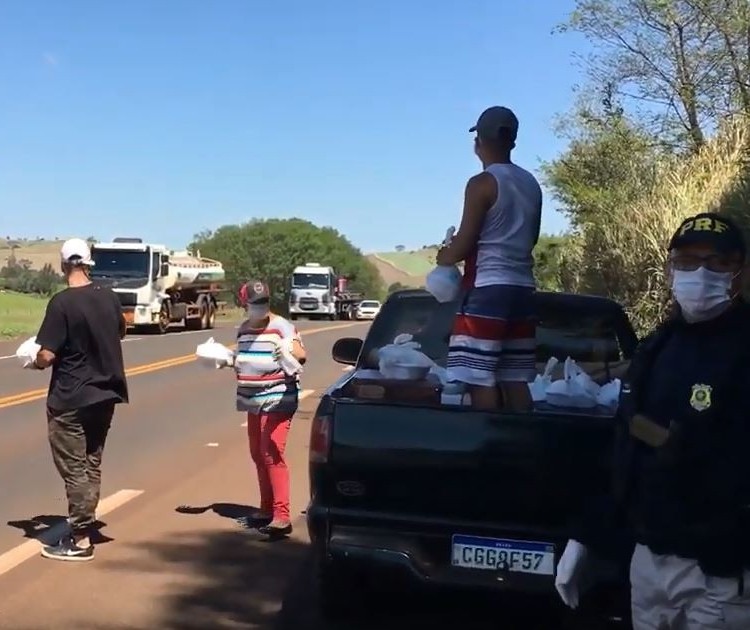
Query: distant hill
x: 38, y: 252
x: 408, y: 268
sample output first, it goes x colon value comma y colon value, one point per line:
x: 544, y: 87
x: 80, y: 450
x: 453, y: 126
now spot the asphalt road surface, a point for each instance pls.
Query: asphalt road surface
x: 159, y: 565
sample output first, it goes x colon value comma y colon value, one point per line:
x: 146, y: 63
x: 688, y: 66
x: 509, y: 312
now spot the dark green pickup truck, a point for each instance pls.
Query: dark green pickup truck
x: 444, y: 496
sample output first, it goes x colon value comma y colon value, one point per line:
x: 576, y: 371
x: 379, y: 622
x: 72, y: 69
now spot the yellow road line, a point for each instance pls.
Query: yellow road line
x: 147, y: 368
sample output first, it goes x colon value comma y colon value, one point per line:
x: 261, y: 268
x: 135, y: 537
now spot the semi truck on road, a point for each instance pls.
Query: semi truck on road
x: 317, y: 292
x: 159, y: 287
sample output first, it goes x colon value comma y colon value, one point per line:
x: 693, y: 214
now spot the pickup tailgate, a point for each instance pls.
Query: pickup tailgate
x: 524, y: 472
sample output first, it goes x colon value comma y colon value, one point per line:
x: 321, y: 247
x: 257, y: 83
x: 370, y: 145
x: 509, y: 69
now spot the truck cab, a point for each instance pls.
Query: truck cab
x: 312, y: 292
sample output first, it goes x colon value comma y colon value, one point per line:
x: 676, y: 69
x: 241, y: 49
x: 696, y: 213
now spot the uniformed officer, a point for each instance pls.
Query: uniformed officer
x: 682, y: 469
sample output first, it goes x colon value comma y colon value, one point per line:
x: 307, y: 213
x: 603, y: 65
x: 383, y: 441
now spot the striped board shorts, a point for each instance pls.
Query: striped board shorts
x: 494, y: 336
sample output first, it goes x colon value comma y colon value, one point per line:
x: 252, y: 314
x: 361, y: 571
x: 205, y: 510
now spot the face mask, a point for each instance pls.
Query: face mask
x: 257, y: 312
x: 702, y: 294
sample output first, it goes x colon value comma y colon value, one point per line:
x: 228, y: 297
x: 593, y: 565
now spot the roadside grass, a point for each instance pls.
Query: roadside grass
x: 20, y: 314
x: 230, y: 313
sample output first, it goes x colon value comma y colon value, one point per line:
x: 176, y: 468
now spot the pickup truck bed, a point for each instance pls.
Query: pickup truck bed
x: 449, y: 496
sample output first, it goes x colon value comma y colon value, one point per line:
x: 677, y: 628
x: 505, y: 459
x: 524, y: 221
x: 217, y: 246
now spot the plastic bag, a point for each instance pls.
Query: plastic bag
x: 575, y: 389
x: 403, y: 360
x: 609, y: 394
x: 444, y: 281
x: 542, y: 381
x: 584, y: 380
x: 27, y: 352
x: 214, y: 354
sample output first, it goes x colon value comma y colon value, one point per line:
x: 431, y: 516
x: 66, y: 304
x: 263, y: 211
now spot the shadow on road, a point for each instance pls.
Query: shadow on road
x: 232, y: 511
x: 231, y: 579
x: 47, y: 528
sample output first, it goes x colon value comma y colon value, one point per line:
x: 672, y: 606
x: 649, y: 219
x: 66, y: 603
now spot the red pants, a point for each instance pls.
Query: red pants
x: 267, y: 434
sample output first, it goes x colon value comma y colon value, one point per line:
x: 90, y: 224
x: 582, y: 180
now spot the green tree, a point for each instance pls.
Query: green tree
x: 269, y: 249
x: 547, y: 260
x: 683, y: 63
x: 609, y: 161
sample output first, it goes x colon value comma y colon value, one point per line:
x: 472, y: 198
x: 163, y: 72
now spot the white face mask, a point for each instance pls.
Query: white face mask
x: 702, y: 294
x: 257, y: 312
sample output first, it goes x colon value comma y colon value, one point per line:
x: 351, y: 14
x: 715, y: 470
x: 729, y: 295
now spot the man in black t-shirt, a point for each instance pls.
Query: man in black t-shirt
x: 80, y: 338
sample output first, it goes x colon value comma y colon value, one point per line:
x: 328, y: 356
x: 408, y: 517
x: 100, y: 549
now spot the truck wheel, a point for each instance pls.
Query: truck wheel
x: 211, y: 322
x: 162, y: 325
x: 332, y: 317
x: 205, y: 315
x: 197, y: 323
x: 294, y: 317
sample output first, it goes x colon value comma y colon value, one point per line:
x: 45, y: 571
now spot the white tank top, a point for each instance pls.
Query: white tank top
x: 511, y: 229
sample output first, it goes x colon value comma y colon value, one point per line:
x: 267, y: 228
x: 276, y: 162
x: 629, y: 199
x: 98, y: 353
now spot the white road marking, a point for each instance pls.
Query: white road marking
x: 302, y: 395
x: 213, y: 444
x: 8, y: 356
x: 18, y: 555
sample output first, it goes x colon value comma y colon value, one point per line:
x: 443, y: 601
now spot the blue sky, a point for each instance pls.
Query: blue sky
x: 160, y: 119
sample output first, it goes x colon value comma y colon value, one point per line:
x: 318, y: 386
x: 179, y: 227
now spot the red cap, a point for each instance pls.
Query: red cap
x: 254, y: 292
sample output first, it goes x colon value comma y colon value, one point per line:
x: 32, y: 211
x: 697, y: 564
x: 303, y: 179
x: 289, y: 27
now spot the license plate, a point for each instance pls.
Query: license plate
x: 517, y: 556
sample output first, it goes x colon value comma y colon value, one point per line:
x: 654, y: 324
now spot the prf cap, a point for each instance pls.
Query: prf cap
x: 493, y: 120
x: 254, y: 292
x: 75, y: 251
x: 710, y: 229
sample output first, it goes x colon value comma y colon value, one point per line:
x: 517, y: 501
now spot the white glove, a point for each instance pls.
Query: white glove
x: 568, y: 574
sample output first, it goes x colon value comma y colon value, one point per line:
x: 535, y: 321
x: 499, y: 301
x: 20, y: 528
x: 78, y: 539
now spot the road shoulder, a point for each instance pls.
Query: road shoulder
x: 188, y: 569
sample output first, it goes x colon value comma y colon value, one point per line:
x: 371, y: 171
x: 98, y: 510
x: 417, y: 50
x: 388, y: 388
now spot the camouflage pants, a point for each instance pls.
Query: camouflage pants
x: 77, y: 440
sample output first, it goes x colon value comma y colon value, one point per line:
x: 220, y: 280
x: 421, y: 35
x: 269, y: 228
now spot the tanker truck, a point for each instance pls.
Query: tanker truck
x: 159, y: 287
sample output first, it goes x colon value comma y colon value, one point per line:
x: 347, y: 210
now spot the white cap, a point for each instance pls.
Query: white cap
x: 76, y: 250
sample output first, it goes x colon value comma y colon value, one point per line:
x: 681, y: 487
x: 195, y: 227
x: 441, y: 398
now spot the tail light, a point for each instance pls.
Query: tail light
x: 320, y: 434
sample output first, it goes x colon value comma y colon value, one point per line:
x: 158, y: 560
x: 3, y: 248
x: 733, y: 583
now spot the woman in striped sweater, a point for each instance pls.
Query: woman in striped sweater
x: 269, y: 396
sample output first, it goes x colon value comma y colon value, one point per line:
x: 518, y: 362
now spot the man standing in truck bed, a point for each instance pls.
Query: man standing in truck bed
x: 492, y: 345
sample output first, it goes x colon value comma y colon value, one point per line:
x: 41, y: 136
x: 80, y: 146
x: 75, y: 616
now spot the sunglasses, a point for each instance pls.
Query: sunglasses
x: 720, y: 263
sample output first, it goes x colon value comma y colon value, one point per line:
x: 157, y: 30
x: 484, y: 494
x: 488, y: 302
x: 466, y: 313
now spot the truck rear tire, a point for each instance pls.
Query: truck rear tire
x: 199, y: 322
x: 294, y: 317
x: 205, y: 315
x: 211, y: 316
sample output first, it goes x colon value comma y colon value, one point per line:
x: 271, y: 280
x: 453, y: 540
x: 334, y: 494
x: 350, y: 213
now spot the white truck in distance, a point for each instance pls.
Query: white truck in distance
x: 159, y: 287
x: 317, y: 292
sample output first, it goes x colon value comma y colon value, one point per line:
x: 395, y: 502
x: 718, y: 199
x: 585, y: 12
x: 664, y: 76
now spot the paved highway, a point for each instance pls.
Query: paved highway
x: 179, y: 443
